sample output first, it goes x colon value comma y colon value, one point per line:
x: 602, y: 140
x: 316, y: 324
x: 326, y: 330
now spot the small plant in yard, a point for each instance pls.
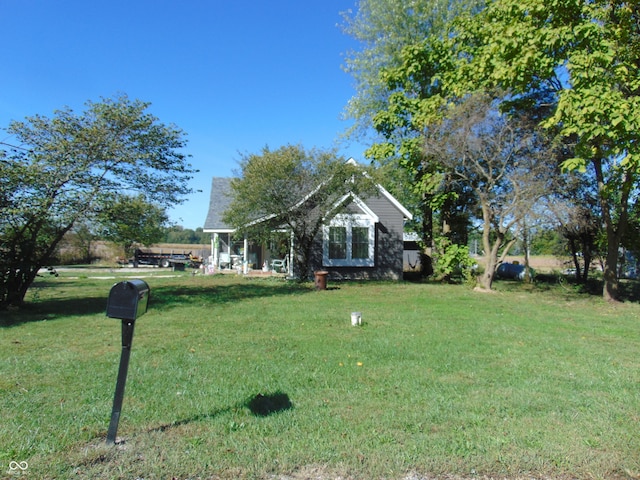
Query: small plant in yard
x: 453, y: 260
x: 232, y: 377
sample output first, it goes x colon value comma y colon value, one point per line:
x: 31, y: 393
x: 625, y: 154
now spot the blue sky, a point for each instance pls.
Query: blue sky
x: 234, y: 75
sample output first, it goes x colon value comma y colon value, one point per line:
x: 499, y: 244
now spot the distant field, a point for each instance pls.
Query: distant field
x: 259, y: 378
x: 106, y: 253
x: 543, y: 263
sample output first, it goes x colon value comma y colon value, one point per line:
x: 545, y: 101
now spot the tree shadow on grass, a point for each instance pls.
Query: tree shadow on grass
x: 163, y: 297
x: 182, y: 295
x: 628, y: 290
x: 52, y: 309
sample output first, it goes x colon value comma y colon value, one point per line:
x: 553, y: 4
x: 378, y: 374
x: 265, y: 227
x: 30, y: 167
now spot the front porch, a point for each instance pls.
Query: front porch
x: 245, y: 257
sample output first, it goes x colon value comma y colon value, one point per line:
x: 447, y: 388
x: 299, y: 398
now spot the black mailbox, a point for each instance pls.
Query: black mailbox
x: 128, y: 300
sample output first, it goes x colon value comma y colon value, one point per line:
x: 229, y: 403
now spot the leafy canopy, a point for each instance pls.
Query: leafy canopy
x: 72, y: 166
x: 571, y: 65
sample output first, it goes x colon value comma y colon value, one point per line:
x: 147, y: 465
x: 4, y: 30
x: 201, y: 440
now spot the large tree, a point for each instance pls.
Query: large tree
x: 383, y: 28
x: 291, y: 188
x: 501, y: 160
x: 578, y: 63
x: 66, y: 168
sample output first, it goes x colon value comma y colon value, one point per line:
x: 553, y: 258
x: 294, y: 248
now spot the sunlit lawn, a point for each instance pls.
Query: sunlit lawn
x: 439, y: 379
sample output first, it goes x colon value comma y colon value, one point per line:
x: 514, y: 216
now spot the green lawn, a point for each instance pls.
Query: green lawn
x: 439, y: 380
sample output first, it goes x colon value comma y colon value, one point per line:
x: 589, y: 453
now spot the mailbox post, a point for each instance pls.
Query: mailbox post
x: 127, y: 301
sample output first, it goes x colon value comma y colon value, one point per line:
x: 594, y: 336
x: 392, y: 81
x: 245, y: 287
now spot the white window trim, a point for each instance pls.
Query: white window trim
x: 349, y: 221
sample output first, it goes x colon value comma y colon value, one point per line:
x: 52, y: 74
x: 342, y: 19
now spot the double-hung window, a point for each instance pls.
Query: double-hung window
x: 349, y: 240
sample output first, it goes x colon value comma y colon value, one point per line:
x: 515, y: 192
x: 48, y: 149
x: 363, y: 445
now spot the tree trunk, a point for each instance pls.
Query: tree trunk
x: 610, y: 276
x: 587, y: 257
x: 614, y: 232
x: 426, y: 263
x: 486, y: 279
x: 491, y: 251
x: 23, y: 269
x: 302, y: 251
x: 575, y: 258
x: 527, y: 259
x: 17, y: 283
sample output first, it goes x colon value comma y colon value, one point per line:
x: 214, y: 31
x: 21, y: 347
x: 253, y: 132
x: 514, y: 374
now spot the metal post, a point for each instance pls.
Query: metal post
x: 127, y: 338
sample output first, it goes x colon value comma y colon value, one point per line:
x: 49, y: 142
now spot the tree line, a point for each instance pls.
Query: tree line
x: 506, y: 113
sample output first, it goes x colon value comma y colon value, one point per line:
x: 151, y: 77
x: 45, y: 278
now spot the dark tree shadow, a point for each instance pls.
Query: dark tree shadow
x: 160, y: 298
x: 628, y: 289
x: 176, y: 295
x: 51, y: 309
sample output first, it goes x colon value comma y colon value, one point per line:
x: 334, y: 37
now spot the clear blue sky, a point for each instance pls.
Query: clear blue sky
x: 234, y: 75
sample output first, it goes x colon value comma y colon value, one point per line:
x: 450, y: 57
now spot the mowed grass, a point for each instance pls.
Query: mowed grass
x: 438, y: 380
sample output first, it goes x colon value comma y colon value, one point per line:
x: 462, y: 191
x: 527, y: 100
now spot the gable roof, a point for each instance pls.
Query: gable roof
x: 219, y: 201
x: 358, y: 202
x: 394, y: 201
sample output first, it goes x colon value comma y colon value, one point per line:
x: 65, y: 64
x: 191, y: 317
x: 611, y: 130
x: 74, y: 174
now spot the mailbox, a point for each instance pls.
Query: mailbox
x: 128, y: 300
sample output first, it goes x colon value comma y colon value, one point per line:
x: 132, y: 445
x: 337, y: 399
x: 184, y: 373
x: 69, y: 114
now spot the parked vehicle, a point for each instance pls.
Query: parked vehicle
x: 179, y: 260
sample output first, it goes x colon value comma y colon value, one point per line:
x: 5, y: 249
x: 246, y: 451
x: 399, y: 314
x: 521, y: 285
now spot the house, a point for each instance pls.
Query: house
x: 362, y: 238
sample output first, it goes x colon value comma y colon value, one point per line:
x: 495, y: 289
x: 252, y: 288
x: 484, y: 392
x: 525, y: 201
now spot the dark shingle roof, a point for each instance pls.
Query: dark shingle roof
x: 218, y: 203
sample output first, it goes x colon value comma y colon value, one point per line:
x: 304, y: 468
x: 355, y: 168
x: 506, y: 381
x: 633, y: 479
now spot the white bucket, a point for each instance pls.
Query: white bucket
x: 356, y: 318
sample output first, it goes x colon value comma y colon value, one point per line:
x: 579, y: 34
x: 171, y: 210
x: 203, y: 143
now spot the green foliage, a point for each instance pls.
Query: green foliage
x: 390, y: 31
x: 585, y: 52
x: 179, y: 234
x: 384, y: 28
x: 547, y: 242
x: 570, y: 66
x: 81, y: 240
x: 576, y: 63
x: 452, y: 260
x: 68, y: 168
x: 129, y: 220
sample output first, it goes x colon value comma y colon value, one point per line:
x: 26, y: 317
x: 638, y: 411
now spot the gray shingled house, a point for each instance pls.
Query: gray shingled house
x: 363, y: 241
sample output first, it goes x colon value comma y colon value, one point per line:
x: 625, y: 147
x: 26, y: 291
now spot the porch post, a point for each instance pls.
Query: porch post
x: 215, y: 246
x: 291, y: 256
x: 245, y: 256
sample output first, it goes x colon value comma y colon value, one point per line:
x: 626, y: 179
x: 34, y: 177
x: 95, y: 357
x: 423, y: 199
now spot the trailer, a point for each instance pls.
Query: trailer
x: 165, y: 260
